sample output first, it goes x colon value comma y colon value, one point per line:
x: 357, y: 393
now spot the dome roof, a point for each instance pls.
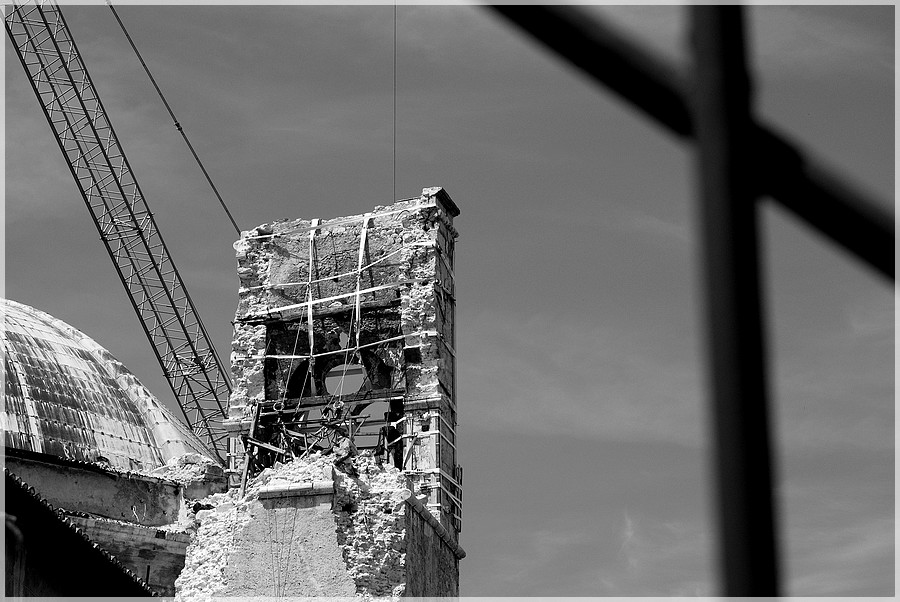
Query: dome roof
x: 66, y: 395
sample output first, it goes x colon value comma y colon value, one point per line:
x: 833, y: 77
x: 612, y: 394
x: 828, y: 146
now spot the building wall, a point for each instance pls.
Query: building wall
x: 91, y: 489
x: 289, y: 548
x: 49, y: 556
x: 432, y: 567
x: 405, y: 298
x: 307, y: 529
x: 154, y: 555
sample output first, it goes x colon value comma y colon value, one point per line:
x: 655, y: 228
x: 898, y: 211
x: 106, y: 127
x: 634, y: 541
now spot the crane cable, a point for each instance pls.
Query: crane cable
x: 172, y: 115
x: 394, y: 162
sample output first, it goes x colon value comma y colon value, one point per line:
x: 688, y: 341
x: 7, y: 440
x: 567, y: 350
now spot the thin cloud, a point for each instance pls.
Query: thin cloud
x: 838, y: 389
x: 626, y: 549
x: 661, y: 229
x: 844, y: 560
x: 805, y: 42
x: 544, y: 374
x: 785, y: 41
x: 39, y: 161
x: 535, y: 553
x: 659, y: 558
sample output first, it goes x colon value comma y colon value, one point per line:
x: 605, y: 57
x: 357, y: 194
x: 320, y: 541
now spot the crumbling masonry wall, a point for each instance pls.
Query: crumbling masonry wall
x: 432, y: 566
x: 377, y: 287
x: 322, y: 302
x: 305, y: 529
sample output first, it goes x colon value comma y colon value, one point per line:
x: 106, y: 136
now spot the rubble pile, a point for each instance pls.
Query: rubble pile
x: 369, y: 525
x: 369, y: 511
x: 187, y: 469
x: 216, y: 522
x: 315, y: 467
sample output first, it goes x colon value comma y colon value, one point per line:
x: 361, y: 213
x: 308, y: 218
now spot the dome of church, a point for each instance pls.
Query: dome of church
x: 67, y: 396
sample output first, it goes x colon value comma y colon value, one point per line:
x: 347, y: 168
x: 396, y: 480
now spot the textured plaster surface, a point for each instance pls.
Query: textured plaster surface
x: 408, y: 251
x: 363, y: 538
x: 353, y: 541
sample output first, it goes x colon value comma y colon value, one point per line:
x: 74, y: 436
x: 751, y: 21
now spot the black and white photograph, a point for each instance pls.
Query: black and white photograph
x: 420, y: 300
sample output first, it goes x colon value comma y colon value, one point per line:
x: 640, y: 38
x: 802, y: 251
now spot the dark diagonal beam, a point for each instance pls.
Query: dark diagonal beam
x: 837, y: 209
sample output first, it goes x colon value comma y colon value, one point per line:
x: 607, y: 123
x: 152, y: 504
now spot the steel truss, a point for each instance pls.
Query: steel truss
x: 81, y: 126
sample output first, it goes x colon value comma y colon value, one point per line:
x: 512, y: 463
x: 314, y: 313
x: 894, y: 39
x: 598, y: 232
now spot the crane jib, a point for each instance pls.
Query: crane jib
x: 70, y: 102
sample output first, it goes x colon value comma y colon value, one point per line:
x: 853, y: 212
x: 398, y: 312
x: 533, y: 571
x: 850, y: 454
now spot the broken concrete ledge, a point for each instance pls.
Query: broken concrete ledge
x: 297, y: 489
x: 441, y: 531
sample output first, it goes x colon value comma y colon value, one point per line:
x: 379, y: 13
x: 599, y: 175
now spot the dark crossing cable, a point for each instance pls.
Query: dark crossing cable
x: 172, y: 115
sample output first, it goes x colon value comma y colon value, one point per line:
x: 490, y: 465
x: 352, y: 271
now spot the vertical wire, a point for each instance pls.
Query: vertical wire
x: 394, y: 180
x: 176, y: 123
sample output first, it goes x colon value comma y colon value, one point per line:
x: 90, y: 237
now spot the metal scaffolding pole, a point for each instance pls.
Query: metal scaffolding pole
x: 727, y: 223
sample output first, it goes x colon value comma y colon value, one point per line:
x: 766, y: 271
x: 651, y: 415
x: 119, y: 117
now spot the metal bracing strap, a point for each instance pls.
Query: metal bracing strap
x: 309, y: 312
x: 440, y: 416
x: 345, y: 274
x: 362, y: 251
x: 422, y: 510
x: 449, y: 478
x: 441, y: 508
x: 447, y: 345
x: 421, y: 333
x: 437, y: 471
x: 310, y: 302
x: 456, y: 501
x: 424, y: 435
x: 440, y: 253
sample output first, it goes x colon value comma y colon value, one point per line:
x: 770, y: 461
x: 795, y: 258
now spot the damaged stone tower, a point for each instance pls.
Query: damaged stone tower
x: 344, y: 350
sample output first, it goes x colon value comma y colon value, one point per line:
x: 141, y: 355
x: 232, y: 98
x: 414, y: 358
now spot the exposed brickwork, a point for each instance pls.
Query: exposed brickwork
x: 371, y: 295
x: 370, y: 513
x: 432, y: 569
x: 396, y: 315
x: 297, y: 534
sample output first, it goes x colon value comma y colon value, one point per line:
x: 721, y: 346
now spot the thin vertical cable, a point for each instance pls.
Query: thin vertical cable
x: 394, y: 180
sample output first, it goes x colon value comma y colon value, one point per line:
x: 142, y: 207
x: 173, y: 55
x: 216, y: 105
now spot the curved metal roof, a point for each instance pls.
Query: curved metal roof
x: 66, y: 395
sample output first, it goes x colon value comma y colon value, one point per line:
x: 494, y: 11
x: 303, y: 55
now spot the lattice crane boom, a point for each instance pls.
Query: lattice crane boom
x: 70, y: 102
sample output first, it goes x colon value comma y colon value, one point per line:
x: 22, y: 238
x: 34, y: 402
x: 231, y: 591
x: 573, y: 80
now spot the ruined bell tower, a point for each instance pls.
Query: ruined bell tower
x: 344, y: 348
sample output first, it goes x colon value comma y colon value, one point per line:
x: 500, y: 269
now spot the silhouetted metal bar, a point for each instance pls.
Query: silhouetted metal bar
x: 735, y: 344
x: 827, y: 203
x: 838, y: 210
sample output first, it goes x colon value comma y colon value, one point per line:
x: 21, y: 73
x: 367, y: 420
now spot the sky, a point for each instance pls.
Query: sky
x: 582, y: 425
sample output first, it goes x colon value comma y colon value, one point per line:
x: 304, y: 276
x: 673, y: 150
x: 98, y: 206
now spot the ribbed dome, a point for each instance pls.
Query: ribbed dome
x: 66, y: 395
